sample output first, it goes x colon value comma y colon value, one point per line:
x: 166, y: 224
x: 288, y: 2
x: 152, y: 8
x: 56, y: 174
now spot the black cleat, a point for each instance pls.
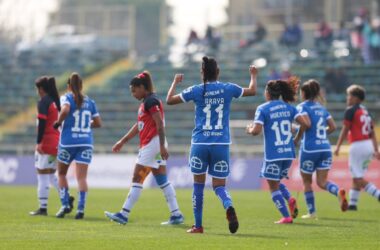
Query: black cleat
x: 40, y: 211
x: 233, y: 223
x: 71, y: 203
x: 62, y: 212
x: 352, y: 208
x: 79, y: 216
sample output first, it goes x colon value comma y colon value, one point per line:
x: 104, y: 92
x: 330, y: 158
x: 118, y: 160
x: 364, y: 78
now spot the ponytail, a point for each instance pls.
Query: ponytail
x: 144, y: 79
x: 47, y: 83
x: 312, y: 90
x: 209, y: 71
x: 75, y: 83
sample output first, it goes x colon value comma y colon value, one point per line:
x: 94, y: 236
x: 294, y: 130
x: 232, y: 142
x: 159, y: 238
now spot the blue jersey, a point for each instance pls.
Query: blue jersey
x: 76, y: 129
x: 276, y: 118
x: 315, y: 138
x: 212, y: 111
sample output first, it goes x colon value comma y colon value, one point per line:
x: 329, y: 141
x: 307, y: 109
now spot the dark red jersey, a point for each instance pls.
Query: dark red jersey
x: 360, y: 123
x: 146, y: 125
x: 48, y: 137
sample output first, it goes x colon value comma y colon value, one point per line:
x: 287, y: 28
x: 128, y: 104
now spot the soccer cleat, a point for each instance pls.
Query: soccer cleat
x: 352, y: 208
x: 40, y: 211
x: 342, y: 200
x: 117, y: 217
x: 310, y: 216
x: 62, y: 212
x: 293, y: 208
x: 71, y: 203
x: 174, y: 220
x: 195, y: 230
x: 79, y: 215
x: 233, y: 223
x: 285, y: 220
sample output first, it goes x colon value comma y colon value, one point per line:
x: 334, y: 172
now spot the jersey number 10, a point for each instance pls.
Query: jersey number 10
x: 82, y: 122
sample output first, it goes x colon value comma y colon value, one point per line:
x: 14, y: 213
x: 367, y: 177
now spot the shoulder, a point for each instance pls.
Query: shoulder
x: 264, y: 106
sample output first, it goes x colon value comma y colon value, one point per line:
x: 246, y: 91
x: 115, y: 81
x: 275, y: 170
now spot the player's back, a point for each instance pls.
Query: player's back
x: 277, y: 117
x: 212, y: 111
x: 358, y: 119
x: 76, y: 129
x: 315, y: 138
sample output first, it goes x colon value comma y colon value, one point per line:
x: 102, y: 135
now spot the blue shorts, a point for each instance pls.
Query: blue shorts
x: 211, y: 159
x: 310, y: 162
x: 79, y: 154
x: 275, y: 170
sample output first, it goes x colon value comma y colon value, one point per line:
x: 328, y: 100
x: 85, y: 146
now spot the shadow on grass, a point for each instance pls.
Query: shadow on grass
x: 348, y: 220
x: 245, y: 235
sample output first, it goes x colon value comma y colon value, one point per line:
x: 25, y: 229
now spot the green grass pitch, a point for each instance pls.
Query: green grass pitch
x: 256, y: 213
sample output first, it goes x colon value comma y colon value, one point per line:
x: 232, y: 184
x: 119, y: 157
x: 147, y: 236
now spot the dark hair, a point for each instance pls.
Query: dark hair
x: 75, y: 82
x: 286, y: 89
x: 312, y: 90
x: 357, y: 91
x: 209, y: 71
x: 144, y: 79
x: 47, y: 83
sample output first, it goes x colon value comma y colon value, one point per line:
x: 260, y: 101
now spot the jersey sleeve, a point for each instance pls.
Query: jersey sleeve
x: 301, y: 109
x: 235, y: 90
x: 43, y: 109
x: 259, y: 116
x: 94, y: 110
x: 296, y: 113
x: 64, y: 100
x: 188, y: 94
x: 152, y: 105
x: 328, y: 116
x: 349, y: 116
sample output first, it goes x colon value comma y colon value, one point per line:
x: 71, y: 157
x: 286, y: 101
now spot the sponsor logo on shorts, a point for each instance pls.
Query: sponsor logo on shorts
x: 272, y: 169
x: 196, y: 163
x: 221, y: 167
x: 64, y: 155
x: 87, y: 154
x: 308, y: 165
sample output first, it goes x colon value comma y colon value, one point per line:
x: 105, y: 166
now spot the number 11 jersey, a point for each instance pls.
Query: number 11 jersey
x: 276, y: 117
x: 76, y: 129
x: 212, y: 111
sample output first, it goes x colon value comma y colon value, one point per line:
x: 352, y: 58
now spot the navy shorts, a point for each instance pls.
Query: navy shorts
x: 310, y: 162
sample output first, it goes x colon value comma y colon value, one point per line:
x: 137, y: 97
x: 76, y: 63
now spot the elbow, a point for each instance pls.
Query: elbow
x: 169, y: 101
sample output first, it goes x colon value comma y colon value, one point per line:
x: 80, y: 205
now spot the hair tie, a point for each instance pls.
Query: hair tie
x: 140, y: 76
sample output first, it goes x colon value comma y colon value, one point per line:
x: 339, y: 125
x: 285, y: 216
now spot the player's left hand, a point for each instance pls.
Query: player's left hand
x: 377, y: 155
x: 39, y: 149
x: 178, y: 78
x: 164, y: 153
x: 336, y: 152
x: 249, y: 128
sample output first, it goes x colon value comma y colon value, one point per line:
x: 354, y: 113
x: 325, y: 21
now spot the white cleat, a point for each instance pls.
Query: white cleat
x: 310, y: 216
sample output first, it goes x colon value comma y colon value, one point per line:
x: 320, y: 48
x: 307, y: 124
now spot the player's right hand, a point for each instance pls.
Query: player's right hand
x: 377, y: 155
x: 117, y: 147
x: 178, y: 78
x: 336, y: 151
x: 249, y: 128
x: 253, y: 70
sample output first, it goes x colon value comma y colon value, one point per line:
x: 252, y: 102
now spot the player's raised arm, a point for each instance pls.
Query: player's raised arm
x: 172, y: 98
x: 127, y: 137
x: 251, y: 90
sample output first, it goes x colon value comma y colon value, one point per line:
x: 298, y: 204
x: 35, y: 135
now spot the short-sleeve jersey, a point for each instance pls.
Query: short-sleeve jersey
x: 76, y: 129
x: 146, y: 125
x: 315, y: 138
x: 359, y: 121
x: 212, y: 111
x: 47, y: 110
x: 276, y: 117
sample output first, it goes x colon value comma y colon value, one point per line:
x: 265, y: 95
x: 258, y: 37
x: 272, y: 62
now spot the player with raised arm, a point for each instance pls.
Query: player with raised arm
x: 153, y: 152
x: 209, y: 151
x: 275, y: 119
x: 315, y: 152
x: 78, y: 117
x: 358, y: 126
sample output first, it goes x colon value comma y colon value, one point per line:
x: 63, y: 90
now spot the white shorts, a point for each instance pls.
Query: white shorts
x: 149, y: 155
x: 361, y: 153
x: 45, y: 161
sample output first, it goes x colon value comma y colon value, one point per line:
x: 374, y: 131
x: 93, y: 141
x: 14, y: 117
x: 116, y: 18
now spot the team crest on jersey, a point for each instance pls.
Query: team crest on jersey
x: 140, y: 112
x: 196, y: 163
x: 221, y: 167
x: 273, y: 169
x: 140, y: 125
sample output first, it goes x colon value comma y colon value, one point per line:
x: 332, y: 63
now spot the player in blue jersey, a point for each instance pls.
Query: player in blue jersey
x: 78, y: 117
x: 315, y: 151
x: 211, y: 137
x: 275, y: 119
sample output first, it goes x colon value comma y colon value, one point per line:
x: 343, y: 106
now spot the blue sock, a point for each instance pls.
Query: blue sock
x: 332, y: 188
x: 198, y: 203
x: 223, y: 196
x: 64, y: 196
x: 309, y: 197
x: 82, y: 200
x: 285, y: 192
x: 279, y: 201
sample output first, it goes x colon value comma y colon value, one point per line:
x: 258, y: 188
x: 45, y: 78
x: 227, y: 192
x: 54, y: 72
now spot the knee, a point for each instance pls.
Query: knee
x: 161, y: 179
x: 321, y: 183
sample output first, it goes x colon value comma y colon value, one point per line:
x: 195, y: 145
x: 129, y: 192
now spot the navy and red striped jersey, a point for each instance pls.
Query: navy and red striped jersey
x: 360, y: 123
x: 48, y: 111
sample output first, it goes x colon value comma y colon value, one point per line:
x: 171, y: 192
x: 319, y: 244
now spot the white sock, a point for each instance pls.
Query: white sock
x: 372, y: 190
x: 354, y: 197
x: 43, y: 189
x: 54, y: 181
x: 133, y: 196
x: 171, y: 198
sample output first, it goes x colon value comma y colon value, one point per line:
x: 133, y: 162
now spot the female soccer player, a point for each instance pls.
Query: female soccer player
x: 211, y: 137
x: 276, y: 117
x: 47, y: 140
x: 315, y: 151
x: 358, y: 125
x: 78, y: 116
x: 153, y: 150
